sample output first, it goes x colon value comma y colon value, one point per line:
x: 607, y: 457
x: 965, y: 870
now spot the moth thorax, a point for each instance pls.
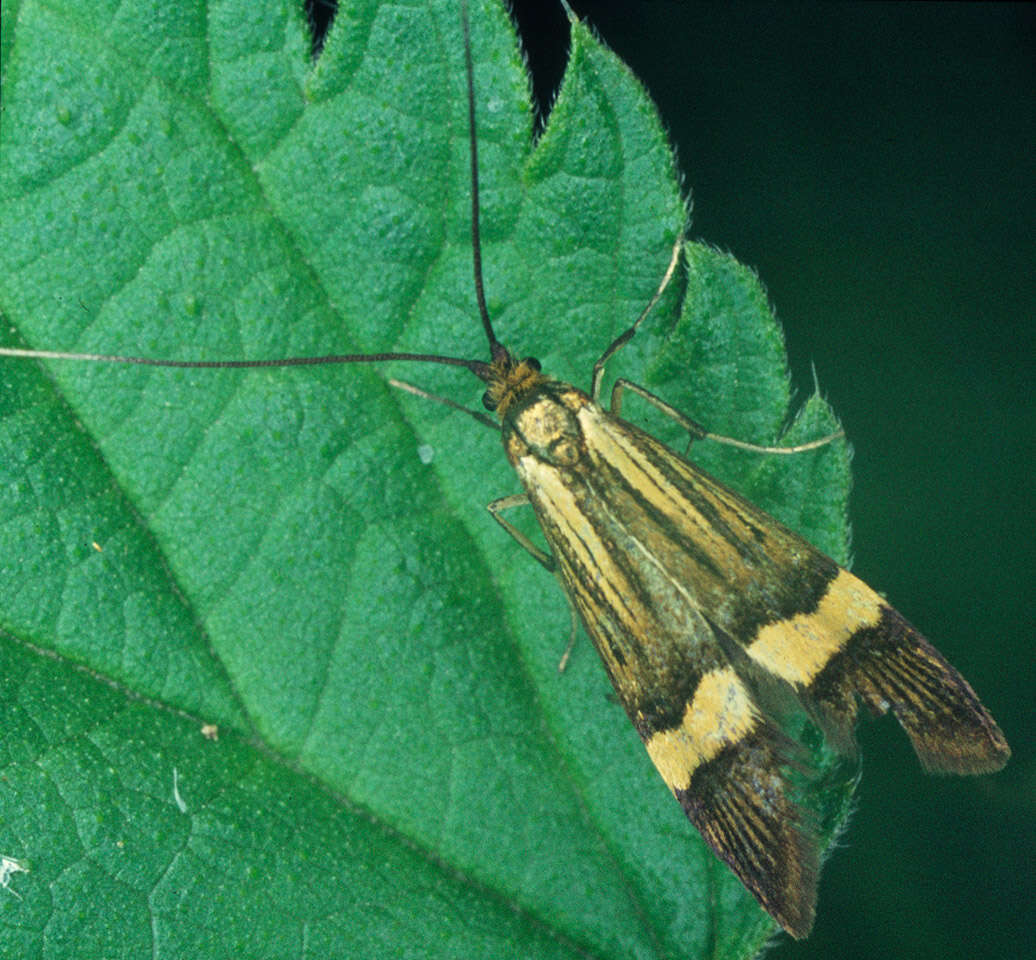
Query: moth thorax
x: 547, y: 429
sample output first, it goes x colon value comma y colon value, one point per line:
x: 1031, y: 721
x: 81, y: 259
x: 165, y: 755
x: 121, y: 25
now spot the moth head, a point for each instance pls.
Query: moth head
x: 510, y: 381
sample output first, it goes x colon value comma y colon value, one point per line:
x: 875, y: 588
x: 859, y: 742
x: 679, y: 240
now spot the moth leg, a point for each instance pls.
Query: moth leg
x: 519, y: 500
x: 695, y: 430
x: 545, y: 559
x: 446, y: 402
x: 623, y: 338
x: 698, y: 432
x: 573, y: 613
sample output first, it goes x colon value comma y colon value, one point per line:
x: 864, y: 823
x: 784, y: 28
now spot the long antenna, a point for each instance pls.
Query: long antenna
x: 480, y: 368
x: 477, y: 367
x: 476, y: 236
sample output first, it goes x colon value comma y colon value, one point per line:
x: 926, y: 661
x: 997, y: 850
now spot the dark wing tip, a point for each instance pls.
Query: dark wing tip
x: 739, y: 803
x: 893, y: 667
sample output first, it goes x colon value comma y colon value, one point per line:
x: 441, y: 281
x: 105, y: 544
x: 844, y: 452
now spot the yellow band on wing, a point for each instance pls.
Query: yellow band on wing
x: 798, y: 648
x: 720, y: 715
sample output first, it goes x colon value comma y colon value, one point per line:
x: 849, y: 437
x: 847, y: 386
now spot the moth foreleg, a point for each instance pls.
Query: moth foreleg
x: 545, y: 559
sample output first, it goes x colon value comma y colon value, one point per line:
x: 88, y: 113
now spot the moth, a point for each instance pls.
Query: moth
x: 699, y: 604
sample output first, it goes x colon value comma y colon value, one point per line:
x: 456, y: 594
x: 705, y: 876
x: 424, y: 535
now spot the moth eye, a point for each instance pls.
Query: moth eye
x: 488, y: 402
x: 532, y: 362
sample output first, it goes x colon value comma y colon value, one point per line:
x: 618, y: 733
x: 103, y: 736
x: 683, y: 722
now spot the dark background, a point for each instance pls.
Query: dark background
x: 877, y: 165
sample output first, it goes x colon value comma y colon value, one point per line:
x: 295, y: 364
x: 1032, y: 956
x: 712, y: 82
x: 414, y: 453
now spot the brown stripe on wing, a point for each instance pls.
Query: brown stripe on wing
x: 893, y: 667
x: 744, y: 569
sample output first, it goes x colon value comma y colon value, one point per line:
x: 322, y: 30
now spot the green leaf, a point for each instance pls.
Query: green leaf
x: 301, y: 558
